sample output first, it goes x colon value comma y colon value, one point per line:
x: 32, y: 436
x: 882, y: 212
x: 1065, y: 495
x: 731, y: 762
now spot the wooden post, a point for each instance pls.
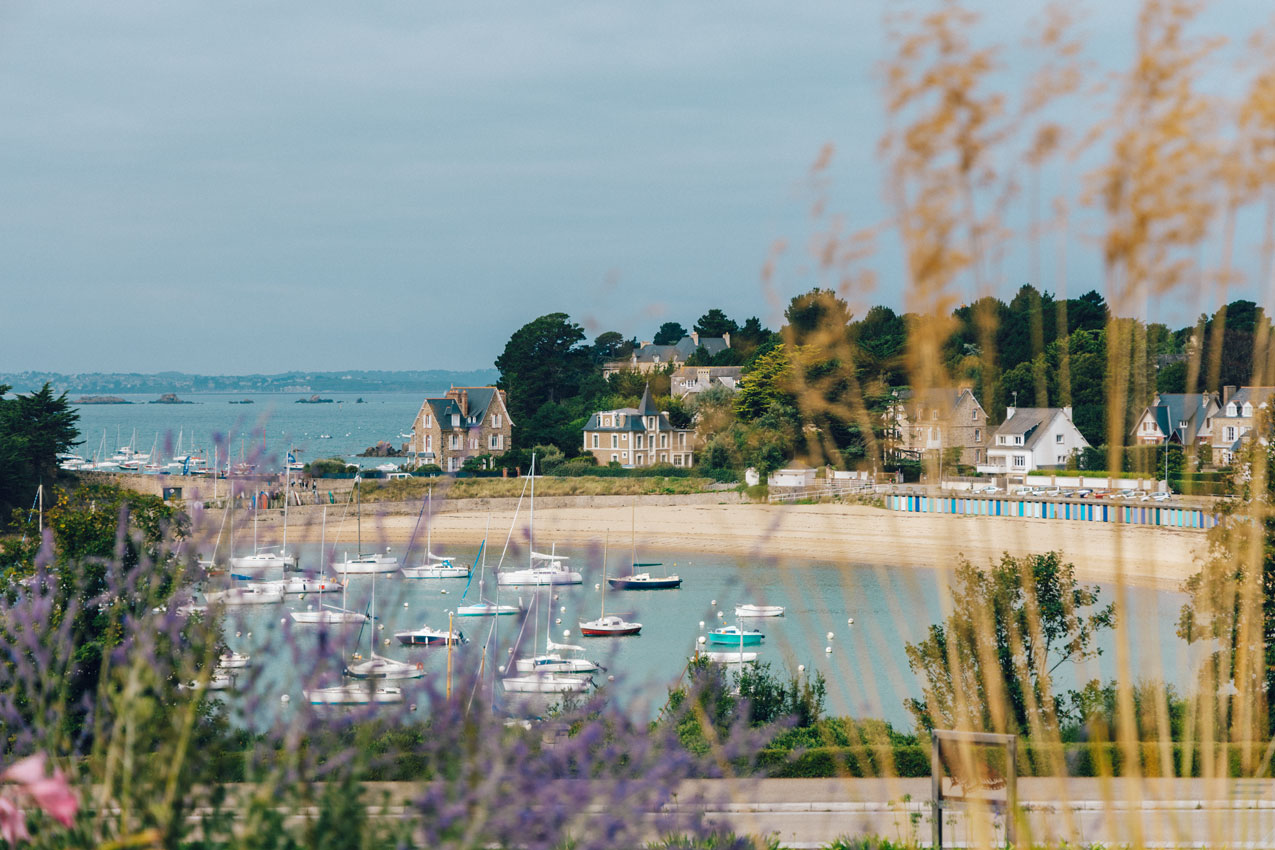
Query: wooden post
x: 936, y: 793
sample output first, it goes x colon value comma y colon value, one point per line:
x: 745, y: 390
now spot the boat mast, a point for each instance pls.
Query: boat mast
x: 358, y: 517
x: 531, y: 525
x: 287, y: 491
x: 606, y: 536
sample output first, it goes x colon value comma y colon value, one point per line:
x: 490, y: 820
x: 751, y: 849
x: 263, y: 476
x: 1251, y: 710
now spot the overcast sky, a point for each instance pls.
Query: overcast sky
x: 235, y: 187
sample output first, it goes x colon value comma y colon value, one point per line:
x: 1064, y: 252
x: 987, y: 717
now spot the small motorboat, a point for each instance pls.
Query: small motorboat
x: 232, y: 661
x: 750, y: 610
x: 245, y: 594
x: 730, y: 657
x: 546, y: 683
x: 557, y: 659
x: 486, y: 609
x: 609, y: 625
x: 327, y: 615
x: 354, y: 693
x: 380, y: 667
x: 427, y: 636
x: 437, y: 568
x: 735, y: 636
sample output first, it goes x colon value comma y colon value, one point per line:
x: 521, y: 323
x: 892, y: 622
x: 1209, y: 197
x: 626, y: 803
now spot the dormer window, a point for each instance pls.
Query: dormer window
x: 1248, y: 408
x: 455, y: 420
x: 1230, y: 409
x: 1018, y: 440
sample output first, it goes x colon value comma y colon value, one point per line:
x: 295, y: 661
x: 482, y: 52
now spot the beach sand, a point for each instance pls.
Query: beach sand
x: 852, y: 534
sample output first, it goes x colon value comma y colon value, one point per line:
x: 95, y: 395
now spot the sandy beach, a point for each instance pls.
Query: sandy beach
x: 852, y: 534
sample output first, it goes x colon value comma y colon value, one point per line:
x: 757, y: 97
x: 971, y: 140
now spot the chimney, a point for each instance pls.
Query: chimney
x: 1009, y: 412
x: 1067, y: 411
x: 726, y: 336
x: 695, y: 338
x: 1227, y: 393
x: 463, y: 401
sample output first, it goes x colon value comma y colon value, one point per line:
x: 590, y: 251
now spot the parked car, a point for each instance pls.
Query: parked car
x: 1052, y: 492
x: 1161, y: 496
x: 1022, y: 491
x: 1082, y: 494
x: 989, y: 489
x: 1128, y: 494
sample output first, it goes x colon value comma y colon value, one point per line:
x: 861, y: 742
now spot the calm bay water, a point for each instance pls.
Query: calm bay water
x: 265, y: 428
x: 866, y: 670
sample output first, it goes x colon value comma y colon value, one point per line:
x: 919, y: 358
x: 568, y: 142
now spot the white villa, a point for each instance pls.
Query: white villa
x: 1032, y: 438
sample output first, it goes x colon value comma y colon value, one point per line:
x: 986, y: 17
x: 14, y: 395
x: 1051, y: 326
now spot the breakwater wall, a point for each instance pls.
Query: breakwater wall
x: 1009, y: 507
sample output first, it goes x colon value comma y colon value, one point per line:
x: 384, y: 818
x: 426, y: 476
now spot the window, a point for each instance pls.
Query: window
x: 934, y: 433
x: 614, y: 457
x: 625, y: 455
x: 974, y: 414
x: 663, y: 457
x: 650, y: 423
x: 429, y: 420
x: 639, y: 460
x: 493, y: 441
x: 677, y: 460
x: 681, y: 439
x: 1230, y: 409
x: 429, y: 442
x: 663, y: 441
x: 454, y: 442
x: 1248, y: 408
x: 473, y: 444
x: 1000, y: 440
x: 1058, y: 438
x: 455, y: 420
x: 1020, y: 461
x: 1018, y: 439
x: 978, y: 435
x: 595, y: 441
x: 496, y: 420
x: 637, y: 441
x: 978, y: 455
x: 451, y: 464
x: 615, y: 441
x: 934, y: 416
x: 1230, y: 433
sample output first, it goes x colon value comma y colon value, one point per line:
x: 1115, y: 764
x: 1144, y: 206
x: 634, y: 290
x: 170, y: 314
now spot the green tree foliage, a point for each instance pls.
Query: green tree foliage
x: 33, y: 430
x: 548, y: 376
x: 766, y: 385
x: 990, y: 665
x: 669, y: 333
x: 715, y: 323
x: 817, y: 316
x: 611, y: 345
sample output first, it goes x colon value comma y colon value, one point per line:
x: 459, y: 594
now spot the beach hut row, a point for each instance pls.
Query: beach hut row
x: 1009, y: 507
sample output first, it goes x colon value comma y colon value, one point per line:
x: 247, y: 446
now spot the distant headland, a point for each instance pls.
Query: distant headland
x: 93, y: 384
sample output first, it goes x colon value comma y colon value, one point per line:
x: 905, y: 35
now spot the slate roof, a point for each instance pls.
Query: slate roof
x: 943, y: 399
x: 632, y: 417
x: 480, y: 401
x: 1256, y: 395
x: 1173, y: 408
x: 1028, y: 421
x: 681, y: 350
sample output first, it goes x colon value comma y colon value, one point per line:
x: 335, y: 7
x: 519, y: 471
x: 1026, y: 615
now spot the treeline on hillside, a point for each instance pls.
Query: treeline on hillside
x: 817, y: 387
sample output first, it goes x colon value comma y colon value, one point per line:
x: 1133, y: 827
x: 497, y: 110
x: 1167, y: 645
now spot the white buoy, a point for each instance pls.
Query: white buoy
x: 566, y: 633
x: 720, y: 615
x: 386, y: 642
x: 850, y: 622
x: 713, y: 603
x: 412, y: 707
x: 236, y: 634
x: 610, y: 678
x: 404, y: 604
x: 801, y: 668
x: 701, y: 624
x: 702, y: 640
x: 249, y: 634
x: 502, y: 668
x: 830, y: 635
x: 380, y: 627
x: 285, y: 698
x: 563, y: 609
x: 443, y: 591
x: 281, y: 620
x: 828, y: 650
x: 557, y: 621
x: 597, y: 587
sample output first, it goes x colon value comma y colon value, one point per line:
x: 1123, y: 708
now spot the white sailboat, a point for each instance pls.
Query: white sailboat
x: 544, y: 680
x: 364, y: 564
x: 434, y: 566
x: 542, y: 570
x: 484, y: 607
x: 245, y: 593
x: 557, y: 657
x: 327, y: 614
x: 354, y: 693
x: 379, y: 666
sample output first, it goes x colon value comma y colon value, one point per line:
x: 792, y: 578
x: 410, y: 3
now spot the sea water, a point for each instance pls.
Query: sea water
x: 263, y: 430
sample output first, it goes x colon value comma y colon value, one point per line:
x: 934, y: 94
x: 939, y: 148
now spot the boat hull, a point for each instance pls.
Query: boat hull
x: 640, y: 583
x: 366, y: 568
x: 538, y: 578
x: 759, y: 610
x: 353, y: 695
x: 485, y: 610
x: 545, y: 684
x: 327, y: 617
x: 746, y: 639
x: 435, y: 572
x: 429, y: 638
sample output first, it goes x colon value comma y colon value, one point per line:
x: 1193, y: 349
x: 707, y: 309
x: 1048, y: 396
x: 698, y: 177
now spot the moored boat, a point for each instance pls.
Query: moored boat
x: 735, y: 636
x: 354, y: 693
x: 429, y: 636
x: 750, y: 610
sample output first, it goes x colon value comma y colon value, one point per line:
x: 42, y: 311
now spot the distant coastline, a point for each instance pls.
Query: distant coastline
x: 90, y: 385
x: 100, y: 399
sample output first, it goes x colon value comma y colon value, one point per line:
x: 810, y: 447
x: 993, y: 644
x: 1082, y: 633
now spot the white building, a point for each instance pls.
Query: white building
x: 1032, y: 438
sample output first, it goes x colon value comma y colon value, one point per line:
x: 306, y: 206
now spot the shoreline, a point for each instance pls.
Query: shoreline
x: 858, y: 534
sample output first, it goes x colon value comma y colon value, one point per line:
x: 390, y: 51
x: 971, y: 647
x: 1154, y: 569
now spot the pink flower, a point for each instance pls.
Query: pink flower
x: 51, y: 793
x: 13, y: 823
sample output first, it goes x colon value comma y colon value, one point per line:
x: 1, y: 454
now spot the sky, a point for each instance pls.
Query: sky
x: 260, y: 187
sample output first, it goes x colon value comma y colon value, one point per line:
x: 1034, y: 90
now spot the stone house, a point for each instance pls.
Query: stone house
x: 638, y: 436
x: 1180, y: 418
x: 648, y: 357
x: 1033, y: 438
x: 465, y: 422
x: 689, y: 380
x: 1236, y: 420
x: 938, y: 419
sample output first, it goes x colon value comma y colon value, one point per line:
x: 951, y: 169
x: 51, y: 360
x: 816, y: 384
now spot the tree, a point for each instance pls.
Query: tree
x: 542, y: 362
x: 817, y: 316
x: 715, y: 323
x: 611, y: 345
x: 989, y: 666
x: 670, y: 333
x: 34, y: 429
x: 766, y: 384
